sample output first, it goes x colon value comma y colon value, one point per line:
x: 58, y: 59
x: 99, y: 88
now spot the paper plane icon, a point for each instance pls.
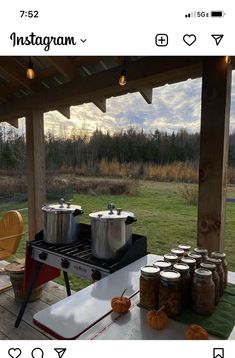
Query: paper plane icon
x: 60, y: 351
x: 217, y: 38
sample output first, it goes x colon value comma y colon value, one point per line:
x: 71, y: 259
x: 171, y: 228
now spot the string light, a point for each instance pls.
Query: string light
x: 30, y: 70
x: 228, y: 59
x: 123, y: 77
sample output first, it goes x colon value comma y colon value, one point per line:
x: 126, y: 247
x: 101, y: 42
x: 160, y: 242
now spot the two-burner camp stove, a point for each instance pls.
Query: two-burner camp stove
x: 44, y: 261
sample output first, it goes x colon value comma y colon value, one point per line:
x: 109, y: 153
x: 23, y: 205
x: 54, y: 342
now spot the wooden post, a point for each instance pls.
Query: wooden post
x: 35, y: 171
x: 215, y: 111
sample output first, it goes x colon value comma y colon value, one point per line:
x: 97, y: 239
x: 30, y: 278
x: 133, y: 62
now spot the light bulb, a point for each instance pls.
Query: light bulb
x: 30, y: 71
x: 228, y: 59
x: 122, y: 80
x: 37, y: 353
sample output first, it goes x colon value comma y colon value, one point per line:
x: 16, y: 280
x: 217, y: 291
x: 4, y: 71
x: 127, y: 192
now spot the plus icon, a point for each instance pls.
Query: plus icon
x: 161, y: 40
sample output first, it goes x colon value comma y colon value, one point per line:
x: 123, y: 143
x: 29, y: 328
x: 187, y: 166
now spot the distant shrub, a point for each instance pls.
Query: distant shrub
x: 189, y: 193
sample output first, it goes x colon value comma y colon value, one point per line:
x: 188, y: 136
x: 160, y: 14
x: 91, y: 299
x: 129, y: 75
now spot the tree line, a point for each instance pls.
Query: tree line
x: 124, y: 146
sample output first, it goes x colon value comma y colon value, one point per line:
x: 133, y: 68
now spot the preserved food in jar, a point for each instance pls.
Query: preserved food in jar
x: 163, y: 265
x: 203, y: 252
x: 203, y: 292
x: 191, y: 263
x: 222, y: 256
x: 170, y: 292
x: 149, y: 287
x: 172, y: 258
x: 219, y: 268
x: 183, y: 269
x: 215, y: 277
x: 178, y: 252
x: 197, y: 257
x: 186, y: 248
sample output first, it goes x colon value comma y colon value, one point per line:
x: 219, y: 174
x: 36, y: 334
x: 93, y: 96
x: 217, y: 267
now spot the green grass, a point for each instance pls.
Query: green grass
x: 163, y: 216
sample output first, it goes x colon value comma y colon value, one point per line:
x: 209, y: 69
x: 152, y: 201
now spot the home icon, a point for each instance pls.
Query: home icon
x: 218, y: 352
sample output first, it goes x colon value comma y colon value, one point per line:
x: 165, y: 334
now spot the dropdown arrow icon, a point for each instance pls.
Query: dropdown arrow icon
x: 83, y: 40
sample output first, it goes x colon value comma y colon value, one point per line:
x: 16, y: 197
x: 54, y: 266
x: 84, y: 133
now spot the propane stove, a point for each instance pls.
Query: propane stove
x: 44, y: 261
x: 77, y: 258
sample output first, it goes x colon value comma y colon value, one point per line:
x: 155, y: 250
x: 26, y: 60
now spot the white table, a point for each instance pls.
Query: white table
x: 87, y: 314
x: 68, y: 318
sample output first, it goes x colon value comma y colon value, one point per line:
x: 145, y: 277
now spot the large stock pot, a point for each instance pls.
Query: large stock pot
x: 61, y: 223
x: 111, y: 230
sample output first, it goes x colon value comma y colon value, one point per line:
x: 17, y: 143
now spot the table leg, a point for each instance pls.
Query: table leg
x: 36, y: 272
x: 66, y: 281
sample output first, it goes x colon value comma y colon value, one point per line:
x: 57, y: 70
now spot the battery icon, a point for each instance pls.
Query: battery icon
x: 217, y: 13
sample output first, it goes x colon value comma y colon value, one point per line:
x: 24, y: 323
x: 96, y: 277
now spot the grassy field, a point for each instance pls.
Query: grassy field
x: 163, y: 216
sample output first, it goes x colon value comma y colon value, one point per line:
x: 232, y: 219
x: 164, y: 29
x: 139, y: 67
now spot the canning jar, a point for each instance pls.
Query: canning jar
x: 163, y: 265
x: 197, y: 257
x: 191, y: 263
x: 149, y: 287
x: 220, y: 270
x: 222, y: 256
x: 203, y: 252
x: 186, y: 248
x: 215, y: 277
x: 172, y: 258
x: 203, y: 292
x: 170, y: 292
x: 178, y: 252
x: 183, y: 269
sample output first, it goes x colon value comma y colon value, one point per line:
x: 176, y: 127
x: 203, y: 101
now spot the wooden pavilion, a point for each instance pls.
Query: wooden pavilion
x: 62, y: 82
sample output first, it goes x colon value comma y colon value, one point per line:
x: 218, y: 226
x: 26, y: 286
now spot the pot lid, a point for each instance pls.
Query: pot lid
x: 61, y: 207
x: 114, y: 215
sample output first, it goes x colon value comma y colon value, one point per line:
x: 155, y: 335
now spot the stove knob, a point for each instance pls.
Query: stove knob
x: 43, y: 255
x: 64, y: 263
x: 96, y: 275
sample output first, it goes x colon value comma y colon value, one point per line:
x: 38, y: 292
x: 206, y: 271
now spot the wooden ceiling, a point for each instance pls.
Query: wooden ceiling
x: 62, y: 82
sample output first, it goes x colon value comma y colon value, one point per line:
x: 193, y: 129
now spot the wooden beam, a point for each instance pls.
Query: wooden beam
x: 65, y: 111
x: 14, y: 122
x: 100, y: 103
x: 147, y: 93
x: 215, y: 111
x: 63, y: 65
x: 35, y: 171
x: 146, y: 72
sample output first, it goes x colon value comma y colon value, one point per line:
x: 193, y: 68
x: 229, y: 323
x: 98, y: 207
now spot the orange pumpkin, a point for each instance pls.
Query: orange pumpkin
x: 121, y: 304
x: 194, y: 331
x: 157, y: 319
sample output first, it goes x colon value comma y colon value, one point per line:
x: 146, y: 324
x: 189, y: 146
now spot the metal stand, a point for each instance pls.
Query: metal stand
x: 36, y: 272
x: 66, y: 281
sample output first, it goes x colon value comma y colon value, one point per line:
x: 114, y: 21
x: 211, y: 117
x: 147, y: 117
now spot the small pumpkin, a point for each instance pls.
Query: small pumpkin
x: 121, y: 304
x: 194, y: 331
x: 157, y: 319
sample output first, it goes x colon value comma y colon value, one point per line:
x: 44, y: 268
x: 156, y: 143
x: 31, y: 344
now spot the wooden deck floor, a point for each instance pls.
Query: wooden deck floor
x: 9, y: 309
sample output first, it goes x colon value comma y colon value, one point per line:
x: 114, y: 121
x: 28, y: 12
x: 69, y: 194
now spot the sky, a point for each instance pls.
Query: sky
x: 173, y: 107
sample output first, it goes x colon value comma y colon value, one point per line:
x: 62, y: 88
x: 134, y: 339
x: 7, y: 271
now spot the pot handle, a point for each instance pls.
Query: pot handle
x: 78, y: 212
x: 129, y: 220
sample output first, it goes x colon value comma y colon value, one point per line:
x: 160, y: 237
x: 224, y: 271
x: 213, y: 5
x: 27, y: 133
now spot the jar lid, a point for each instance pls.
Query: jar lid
x: 170, y: 275
x: 177, y: 251
x: 208, y: 265
x: 184, y: 247
x: 188, y: 260
x: 162, y: 264
x: 195, y: 255
x: 201, y: 251
x: 201, y: 272
x: 181, y: 267
x: 170, y: 256
x: 218, y: 255
x: 150, y: 271
x: 214, y: 260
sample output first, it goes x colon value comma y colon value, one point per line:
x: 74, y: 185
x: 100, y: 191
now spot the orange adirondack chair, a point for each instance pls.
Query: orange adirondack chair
x: 11, y: 232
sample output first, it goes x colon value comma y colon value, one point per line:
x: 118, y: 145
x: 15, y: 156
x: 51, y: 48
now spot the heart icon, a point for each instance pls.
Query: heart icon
x: 14, y: 352
x: 189, y: 39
